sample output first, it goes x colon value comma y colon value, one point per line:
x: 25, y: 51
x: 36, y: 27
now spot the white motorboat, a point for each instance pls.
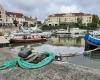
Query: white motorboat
x: 32, y: 31
x: 77, y: 31
x: 62, y: 31
x: 36, y: 31
x: 97, y: 32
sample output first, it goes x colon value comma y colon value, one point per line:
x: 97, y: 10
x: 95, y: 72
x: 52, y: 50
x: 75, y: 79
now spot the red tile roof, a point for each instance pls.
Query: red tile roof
x: 57, y: 15
x: 81, y: 14
x: 75, y: 14
x: 19, y: 15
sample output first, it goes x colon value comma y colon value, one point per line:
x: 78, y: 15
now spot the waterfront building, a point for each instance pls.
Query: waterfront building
x: 11, y: 16
x: 20, y: 18
x: 7, y: 18
x: 2, y: 16
x: 29, y: 21
x: 66, y: 18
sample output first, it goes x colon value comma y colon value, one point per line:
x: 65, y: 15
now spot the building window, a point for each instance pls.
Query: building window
x: 0, y: 16
x: 65, y: 19
x: 55, y: 24
x: 49, y: 24
x: 0, y: 12
x: 89, y: 17
x: 0, y: 19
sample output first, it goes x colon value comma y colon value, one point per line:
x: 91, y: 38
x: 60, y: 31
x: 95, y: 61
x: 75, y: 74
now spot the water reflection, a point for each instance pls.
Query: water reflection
x: 84, y: 61
x: 93, y: 55
x: 68, y: 41
x: 59, y: 45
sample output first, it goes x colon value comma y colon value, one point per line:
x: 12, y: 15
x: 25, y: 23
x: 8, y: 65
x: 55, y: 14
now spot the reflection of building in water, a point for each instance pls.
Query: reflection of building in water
x: 68, y: 41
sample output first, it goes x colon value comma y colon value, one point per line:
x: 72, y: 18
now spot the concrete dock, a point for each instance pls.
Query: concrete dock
x: 55, y: 71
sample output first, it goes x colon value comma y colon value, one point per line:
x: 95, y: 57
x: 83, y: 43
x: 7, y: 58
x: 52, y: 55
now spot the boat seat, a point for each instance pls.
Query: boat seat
x: 31, y: 57
x: 35, y: 58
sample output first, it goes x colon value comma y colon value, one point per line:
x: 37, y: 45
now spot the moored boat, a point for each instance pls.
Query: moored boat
x: 26, y: 39
x: 91, y: 42
x: 37, y: 61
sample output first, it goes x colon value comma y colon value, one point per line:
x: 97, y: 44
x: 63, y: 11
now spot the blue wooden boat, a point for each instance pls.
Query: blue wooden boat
x: 91, y: 42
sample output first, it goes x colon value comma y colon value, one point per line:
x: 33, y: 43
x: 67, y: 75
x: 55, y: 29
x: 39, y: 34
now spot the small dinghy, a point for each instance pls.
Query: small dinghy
x: 91, y: 42
x: 31, y: 62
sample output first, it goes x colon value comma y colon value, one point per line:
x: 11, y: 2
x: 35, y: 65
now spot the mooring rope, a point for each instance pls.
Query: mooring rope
x: 89, y: 51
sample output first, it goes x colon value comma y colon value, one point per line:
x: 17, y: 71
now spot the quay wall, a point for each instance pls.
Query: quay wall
x: 53, y: 71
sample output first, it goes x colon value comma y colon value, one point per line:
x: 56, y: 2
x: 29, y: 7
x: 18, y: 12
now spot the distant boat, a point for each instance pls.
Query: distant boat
x: 76, y: 31
x: 35, y: 31
x: 97, y: 32
x: 91, y: 42
x: 62, y: 31
x: 32, y: 31
x: 28, y: 39
x: 26, y: 29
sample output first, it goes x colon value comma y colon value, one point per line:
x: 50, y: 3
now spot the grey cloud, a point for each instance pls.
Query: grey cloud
x: 91, y: 6
x: 41, y: 8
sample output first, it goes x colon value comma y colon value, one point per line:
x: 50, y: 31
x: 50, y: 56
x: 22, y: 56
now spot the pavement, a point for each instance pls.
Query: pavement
x: 57, y: 70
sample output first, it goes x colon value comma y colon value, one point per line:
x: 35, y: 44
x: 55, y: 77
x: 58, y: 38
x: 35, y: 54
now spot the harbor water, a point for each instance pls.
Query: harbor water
x: 67, y: 45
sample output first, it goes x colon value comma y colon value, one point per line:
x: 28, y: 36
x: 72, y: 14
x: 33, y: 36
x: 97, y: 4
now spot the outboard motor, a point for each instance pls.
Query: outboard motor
x: 24, y: 53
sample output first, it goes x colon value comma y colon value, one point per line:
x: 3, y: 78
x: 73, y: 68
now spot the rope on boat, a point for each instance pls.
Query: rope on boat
x: 26, y: 65
x: 89, y: 51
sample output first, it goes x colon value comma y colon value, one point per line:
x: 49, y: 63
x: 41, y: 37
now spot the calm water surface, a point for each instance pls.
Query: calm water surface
x: 69, y: 45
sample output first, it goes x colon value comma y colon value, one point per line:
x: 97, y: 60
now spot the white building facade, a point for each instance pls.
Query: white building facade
x: 2, y: 16
x: 7, y: 18
x: 58, y: 19
x: 30, y: 21
x: 11, y: 16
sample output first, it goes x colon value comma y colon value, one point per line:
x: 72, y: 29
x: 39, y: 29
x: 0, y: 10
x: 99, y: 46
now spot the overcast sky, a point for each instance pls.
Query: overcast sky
x: 42, y: 8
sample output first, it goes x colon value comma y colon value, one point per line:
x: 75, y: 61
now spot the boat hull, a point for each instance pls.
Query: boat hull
x: 91, y: 42
x: 89, y: 45
x: 28, y: 40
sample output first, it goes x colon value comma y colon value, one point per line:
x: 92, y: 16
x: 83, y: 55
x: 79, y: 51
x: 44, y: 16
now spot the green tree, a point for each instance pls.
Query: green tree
x: 90, y: 26
x: 15, y: 22
x: 72, y: 25
x: 95, y: 19
x: 79, y: 22
x: 99, y: 22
